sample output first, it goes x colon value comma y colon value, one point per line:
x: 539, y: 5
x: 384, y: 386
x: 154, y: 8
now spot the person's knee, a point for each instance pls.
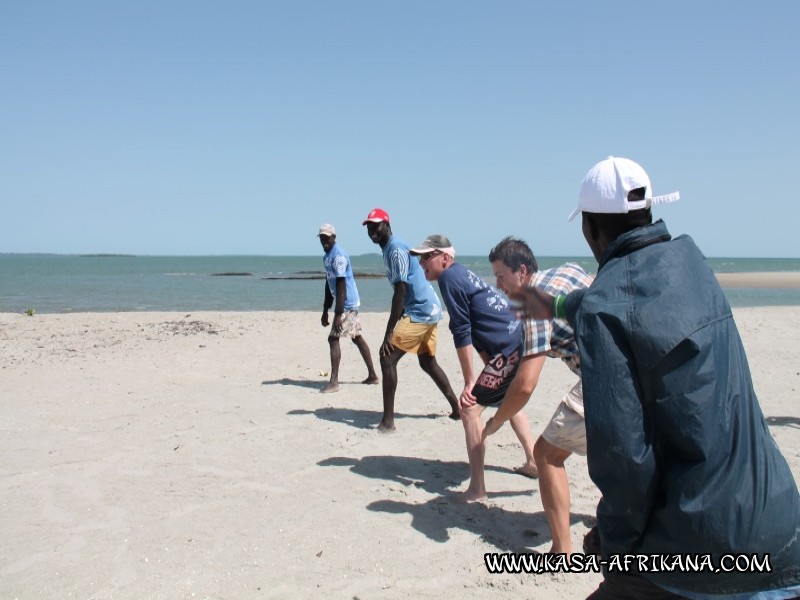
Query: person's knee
x: 427, y: 362
x: 546, y: 453
x: 389, y: 362
x: 471, y: 414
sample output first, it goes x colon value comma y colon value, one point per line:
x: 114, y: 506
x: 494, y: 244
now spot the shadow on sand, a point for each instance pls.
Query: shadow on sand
x: 511, y: 531
x: 317, y: 384
x: 361, y: 419
x: 784, y: 421
x: 304, y: 383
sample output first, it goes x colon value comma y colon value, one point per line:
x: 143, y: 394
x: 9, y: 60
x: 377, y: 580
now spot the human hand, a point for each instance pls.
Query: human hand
x: 490, y: 427
x: 386, y: 347
x: 466, y: 399
x: 338, y: 323
x: 534, y: 303
x: 324, y: 320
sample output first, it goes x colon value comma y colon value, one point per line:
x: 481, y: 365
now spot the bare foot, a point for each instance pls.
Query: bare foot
x: 385, y: 427
x: 527, y: 471
x: 454, y: 410
x: 329, y: 388
x: 455, y: 415
x: 373, y: 380
x: 471, y: 496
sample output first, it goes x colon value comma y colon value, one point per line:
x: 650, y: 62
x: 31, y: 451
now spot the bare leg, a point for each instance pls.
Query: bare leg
x: 432, y: 368
x: 336, y: 356
x: 363, y: 348
x: 389, y: 372
x: 520, y: 425
x: 554, y: 488
x: 476, y: 452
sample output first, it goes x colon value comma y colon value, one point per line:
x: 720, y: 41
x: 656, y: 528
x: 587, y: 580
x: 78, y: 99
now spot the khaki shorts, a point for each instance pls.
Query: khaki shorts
x: 351, y: 326
x: 567, y: 429
x: 416, y: 338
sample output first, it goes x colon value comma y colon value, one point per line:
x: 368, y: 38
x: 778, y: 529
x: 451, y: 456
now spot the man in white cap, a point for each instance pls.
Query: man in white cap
x: 677, y: 442
x: 340, y: 287
x: 413, y: 318
x: 480, y: 320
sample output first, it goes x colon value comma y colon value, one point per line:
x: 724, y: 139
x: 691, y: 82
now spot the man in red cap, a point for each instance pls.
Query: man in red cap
x: 414, y: 314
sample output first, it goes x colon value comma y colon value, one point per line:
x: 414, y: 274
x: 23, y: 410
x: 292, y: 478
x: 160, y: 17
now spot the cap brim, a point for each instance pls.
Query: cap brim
x: 450, y: 251
x: 574, y: 214
x: 639, y: 204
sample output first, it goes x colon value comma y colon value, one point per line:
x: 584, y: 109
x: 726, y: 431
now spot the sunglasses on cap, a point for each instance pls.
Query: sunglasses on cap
x: 430, y: 255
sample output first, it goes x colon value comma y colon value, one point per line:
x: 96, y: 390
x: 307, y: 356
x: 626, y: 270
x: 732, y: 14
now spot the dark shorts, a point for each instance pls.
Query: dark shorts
x: 493, y: 382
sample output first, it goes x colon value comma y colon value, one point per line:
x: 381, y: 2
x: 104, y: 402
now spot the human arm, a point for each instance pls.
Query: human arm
x: 326, y: 305
x: 465, y: 360
x: 519, y: 392
x: 341, y: 295
x: 534, y: 303
x: 398, y: 300
x: 538, y: 304
x: 455, y: 294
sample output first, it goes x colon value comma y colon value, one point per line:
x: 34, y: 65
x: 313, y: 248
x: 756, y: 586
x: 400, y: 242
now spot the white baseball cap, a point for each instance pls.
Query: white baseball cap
x: 326, y: 229
x: 605, y: 188
x: 431, y: 244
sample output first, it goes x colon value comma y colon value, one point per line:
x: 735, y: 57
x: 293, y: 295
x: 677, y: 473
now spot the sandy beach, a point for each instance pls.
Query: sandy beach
x: 776, y: 279
x: 174, y: 455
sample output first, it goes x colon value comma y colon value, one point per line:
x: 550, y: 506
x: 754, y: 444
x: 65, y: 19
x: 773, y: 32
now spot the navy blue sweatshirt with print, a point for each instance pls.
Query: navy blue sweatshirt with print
x: 479, y: 314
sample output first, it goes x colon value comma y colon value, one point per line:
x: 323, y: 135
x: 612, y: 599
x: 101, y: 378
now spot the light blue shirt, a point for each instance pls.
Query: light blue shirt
x: 337, y: 264
x: 422, y: 305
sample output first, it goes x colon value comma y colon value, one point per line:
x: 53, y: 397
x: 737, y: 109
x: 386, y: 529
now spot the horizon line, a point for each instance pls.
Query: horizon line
x: 134, y: 255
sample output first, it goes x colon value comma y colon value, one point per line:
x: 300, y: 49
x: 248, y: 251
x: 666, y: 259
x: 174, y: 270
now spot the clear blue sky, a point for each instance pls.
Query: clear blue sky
x: 237, y: 127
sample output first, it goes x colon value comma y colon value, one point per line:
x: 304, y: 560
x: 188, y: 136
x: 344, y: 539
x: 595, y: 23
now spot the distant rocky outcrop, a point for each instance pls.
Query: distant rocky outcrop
x: 304, y: 275
x: 107, y: 255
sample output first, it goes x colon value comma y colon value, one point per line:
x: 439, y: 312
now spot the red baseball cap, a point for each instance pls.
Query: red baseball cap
x: 376, y: 215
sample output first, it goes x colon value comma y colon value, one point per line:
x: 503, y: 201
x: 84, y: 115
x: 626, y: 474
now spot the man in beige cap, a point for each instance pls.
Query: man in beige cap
x: 481, y: 320
x: 340, y: 286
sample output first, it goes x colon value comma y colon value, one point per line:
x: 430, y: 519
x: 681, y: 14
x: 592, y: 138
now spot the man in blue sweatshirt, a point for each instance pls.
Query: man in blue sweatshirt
x: 480, y: 319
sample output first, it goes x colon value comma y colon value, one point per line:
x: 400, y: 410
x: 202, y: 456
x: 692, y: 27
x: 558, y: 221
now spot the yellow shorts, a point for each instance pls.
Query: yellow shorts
x: 416, y: 338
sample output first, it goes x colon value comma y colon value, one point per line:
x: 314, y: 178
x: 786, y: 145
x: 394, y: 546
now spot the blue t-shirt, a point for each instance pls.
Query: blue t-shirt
x: 479, y: 314
x: 337, y: 264
x: 421, y: 302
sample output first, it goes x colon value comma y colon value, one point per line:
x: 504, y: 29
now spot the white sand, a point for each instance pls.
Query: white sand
x: 157, y: 455
x: 777, y: 279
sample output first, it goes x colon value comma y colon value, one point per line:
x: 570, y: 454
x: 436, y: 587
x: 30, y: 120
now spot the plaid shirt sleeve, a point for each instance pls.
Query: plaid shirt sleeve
x: 554, y: 337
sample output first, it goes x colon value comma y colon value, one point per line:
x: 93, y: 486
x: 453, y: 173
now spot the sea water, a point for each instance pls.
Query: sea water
x: 56, y: 283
